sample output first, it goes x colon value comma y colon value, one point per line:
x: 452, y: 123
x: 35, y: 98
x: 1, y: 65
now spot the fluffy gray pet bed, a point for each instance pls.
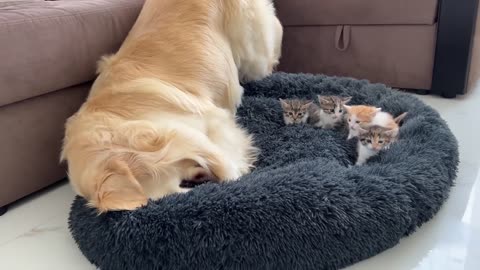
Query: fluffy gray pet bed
x: 303, y: 207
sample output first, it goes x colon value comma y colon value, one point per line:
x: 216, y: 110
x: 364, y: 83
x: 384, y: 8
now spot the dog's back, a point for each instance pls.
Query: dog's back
x: 179, y: 42
x: 201, y: 47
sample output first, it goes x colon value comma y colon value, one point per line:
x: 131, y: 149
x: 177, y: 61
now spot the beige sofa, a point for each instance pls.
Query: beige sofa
x: 48, y: 51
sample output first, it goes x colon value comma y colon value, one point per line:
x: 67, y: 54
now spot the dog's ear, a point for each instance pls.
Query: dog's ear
x: 118, y: 189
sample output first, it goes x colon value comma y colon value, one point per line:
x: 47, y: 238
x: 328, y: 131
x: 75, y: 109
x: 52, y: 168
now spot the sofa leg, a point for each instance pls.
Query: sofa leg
x: 449, y: 95
x: 422, y: 92
x: 3, y: 210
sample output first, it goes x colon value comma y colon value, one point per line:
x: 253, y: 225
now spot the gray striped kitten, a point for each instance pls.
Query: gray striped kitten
x: 330, y: 113
x: 295, y: 111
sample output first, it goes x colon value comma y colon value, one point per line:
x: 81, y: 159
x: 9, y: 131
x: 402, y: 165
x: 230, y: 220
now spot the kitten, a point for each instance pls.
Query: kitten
x: 372, y: 140
x: 313, y: 114
x: 331, y: 111
x: 369, y: 115
x: 295, y: 111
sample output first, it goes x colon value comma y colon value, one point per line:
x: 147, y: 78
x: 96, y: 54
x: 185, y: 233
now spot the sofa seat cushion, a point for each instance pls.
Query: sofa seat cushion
x: 341, y: 12
x: 50, y: 45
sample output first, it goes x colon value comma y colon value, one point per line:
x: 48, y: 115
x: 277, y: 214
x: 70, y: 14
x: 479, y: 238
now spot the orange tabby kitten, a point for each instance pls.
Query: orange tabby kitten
x: 369, y: 115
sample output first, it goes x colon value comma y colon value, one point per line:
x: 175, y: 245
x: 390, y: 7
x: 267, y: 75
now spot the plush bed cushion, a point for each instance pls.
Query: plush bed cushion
x: 303, y: 207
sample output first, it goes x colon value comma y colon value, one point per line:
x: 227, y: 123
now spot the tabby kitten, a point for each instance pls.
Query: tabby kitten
x: 331, y: 111
x: 372, y: 140
x: 370, y: 116
x: 295, y: 111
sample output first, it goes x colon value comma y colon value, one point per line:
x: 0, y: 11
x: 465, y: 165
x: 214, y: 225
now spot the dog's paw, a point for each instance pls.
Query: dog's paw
x: 232, y: 172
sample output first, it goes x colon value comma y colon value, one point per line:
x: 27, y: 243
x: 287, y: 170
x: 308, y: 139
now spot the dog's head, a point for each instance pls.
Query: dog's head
x: 139, y: 162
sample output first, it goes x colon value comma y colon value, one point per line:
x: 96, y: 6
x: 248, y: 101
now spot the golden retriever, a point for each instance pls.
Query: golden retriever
x: 162, y: 109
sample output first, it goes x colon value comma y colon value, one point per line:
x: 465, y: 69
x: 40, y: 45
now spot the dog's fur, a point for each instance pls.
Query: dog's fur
x: 162, y: 108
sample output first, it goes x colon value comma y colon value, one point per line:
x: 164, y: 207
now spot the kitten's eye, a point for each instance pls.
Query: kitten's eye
x: 340, y: 111
x: 362, y: 140
x: 332, y: 110
x: 349, y: 120
x: 358, y: 122
x: 300, y: 114
x: 369, y: 141
x: 380, y: 142
x: 290, y: 113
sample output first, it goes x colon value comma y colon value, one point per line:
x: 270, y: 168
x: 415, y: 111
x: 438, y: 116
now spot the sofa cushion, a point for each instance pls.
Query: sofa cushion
x: 32, y: 132
x: 50, y: 45
x: 378, y: 53
x: 340, y: 12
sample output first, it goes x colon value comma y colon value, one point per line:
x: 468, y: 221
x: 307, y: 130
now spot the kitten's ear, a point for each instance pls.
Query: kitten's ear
x: 400, y: 118
x: 378, y: 109
x: 307, y: 104
x: 345, y: 100
x: 390, y: 132
x: 322, y: 99
x: 284, y: 103
x: 361, y: 130
x: 348, y: 108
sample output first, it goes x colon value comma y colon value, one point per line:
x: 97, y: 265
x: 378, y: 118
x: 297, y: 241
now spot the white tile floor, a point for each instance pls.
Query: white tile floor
x: 34, y: 232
